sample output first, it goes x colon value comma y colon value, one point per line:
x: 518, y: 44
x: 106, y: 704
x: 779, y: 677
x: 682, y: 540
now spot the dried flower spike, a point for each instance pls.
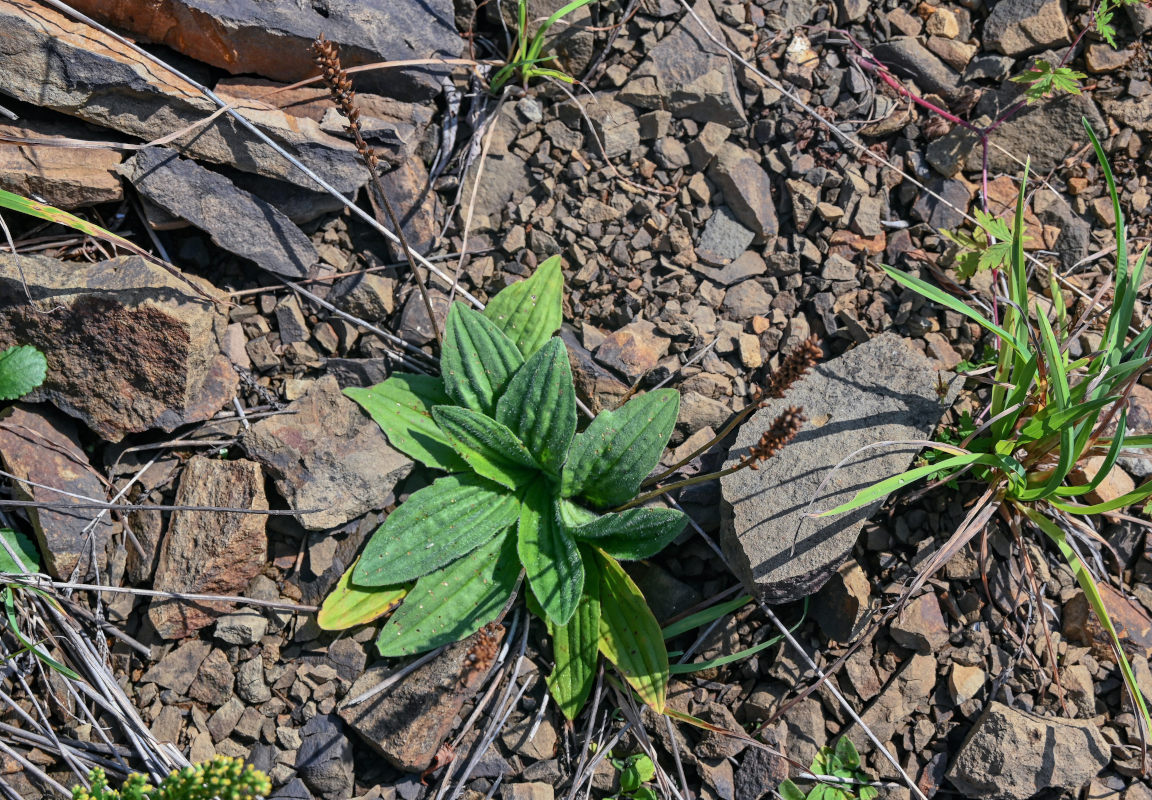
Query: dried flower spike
x: 783, y: 430
x: 326, y: 55
x: 793, y: 367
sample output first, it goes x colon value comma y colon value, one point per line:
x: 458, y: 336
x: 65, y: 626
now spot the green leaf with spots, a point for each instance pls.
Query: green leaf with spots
x: 436, y: 525
x: 539, y: 405
x: 478, y: 360
x: 630, y: 636
x: 530, y: 311
x: 551, y: 561
x: 447, y: 605
x: 490, y: 449
x: 633, y: 534
x: 608, y: 461
x: 349, y: 605
x: 402, y: 407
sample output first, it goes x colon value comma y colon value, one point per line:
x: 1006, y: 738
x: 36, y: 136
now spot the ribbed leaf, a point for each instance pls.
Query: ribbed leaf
x: 402, y: 407
x: 575, y: 648
x: 607, y: 461
x: 438, y: 524
x: 553, y: 565
x: 539, y: 405
x: 454, y: 602
x: 489, y: 448
x: 478, y: 360
x: 635, y: 533
x: 350, y: 605
x: 530, y: 311
x: 22, y: 369
x: 630, y: 636
x: 25, y: 550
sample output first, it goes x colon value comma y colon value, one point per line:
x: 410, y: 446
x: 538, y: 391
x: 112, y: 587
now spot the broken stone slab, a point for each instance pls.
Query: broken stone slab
x: 327, y: 454
x: 53, y: 62
x: 689, y: 74
x: 1026, y: 26
x: 39, y: 444
x: 63, y: 176
x: 210, y: 552
x: 237, y: 221
x: 273, y: 39
x: 324, y: 760
x: 407, y: 723
x: 130, y: 346
x: 911, y: 687
x: 882, y: 391
x: 746, y: 188
x: 1011, y: 755
x: 910, y: 59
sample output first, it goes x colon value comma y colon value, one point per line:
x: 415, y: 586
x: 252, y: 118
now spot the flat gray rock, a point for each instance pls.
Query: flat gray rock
x: 689, y: 74
x: 883, y: 390
x: 237, y: 221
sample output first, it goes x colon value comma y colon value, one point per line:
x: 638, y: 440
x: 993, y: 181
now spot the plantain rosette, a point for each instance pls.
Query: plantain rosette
x: 523, y: 492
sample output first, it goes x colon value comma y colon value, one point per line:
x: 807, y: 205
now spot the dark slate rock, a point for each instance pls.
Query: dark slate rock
x: 935, y: 211
x: 237, y: 221
x: 883, y: 390
x: 910, y: 59
x: 324, y: 760
x: 293, y: 790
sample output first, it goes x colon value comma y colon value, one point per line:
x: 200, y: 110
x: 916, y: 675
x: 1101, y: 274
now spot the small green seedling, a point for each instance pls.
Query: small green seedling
x: 22, y: 369
x: 635, y: 771
x: 222, y: 778
x: 842, y: 762
x: 1045, y: 80
x: 522, y: 493
x: 987, y: 247
x: 527, y: 53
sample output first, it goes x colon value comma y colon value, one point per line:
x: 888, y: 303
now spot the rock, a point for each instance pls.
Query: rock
x: 244, y: 627
x: 209, y: 552
x: 168, y: 724
x: 327, y: 454
x: 416, y: 205
x: 965, y: 682
x: 250, y: 685
x: 1019, y: 27
x: 667, y: 595
x: 1133, y: 113
x: 65, y: 177
x: 407, y: 723
x: 1012, y: 755
x: 911, y: 687
x: 746, y: 300
x: 324, y: 760
x: 747, y: 189
x: 910, y: 59
x: 687, y: 74
x: 177, y: 670
x: 844, y: 603
x: 634, y: 350
x: 293, y: 790
x: 527, y: 791
x: 920, y: 626
x: 747, y: 265
x: 943, y: 22
x: 504, y: 178
x: 1133, y: 625
x: 1102, y: 57
x: 723, y: 239
x: 541, y: 746
x: 711, y: 744
x: 800, y: 61
x: 273, y: 39
x: 806, y: 730
x: 174, y: 374
x: 214, y: 680
x: 615, y: 124
x: 759, y: 770
x: 883, y: 390
x: 53, y: 62
x: 40, y: 444
x: 805, y: 198
x: 698, y: 411
x: 596, y: 386
x: 946, y: 213
x: 236, y: 220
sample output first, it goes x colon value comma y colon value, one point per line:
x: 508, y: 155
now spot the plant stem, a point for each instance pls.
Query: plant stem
x: 715, y: 440
x: 711, y: 476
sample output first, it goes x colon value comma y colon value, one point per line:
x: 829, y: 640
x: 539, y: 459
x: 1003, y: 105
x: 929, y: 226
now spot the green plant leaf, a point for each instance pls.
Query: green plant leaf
x: 889, y: 485
x: 846, y: 752
x: 402, y: 407
x: 608, y: 461
x: 454, y: 602
x: 790, y: 791
x: 551, y: 560
x: 25, y: 550
x: 22, y: 369
x: 490, y: 449
x: 348, y: 605
x: 575, y: 648
x: 635, y: 533
x: 630, y: 636
x: 530, y: 311
x: 477, y: 361
x: 539, y: 405
x: 436, y: 525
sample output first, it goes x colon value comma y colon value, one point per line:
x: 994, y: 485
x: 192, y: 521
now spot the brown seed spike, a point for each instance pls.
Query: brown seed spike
x: 793, y: 367
x: 783, y: 430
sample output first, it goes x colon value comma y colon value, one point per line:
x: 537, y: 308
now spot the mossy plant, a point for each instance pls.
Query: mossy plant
x: 222, y: 778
